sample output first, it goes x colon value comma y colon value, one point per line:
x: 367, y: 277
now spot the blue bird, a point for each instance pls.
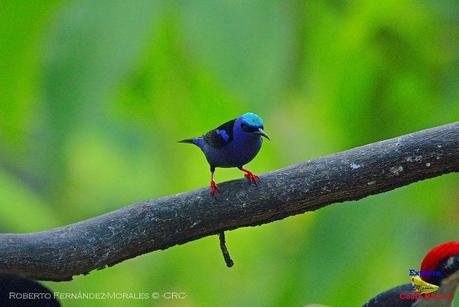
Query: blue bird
x: 233, y: 144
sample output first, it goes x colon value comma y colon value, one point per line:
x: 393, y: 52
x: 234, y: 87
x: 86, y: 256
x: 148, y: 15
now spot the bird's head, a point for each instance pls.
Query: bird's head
x: 252, y: 124
x: 443, y: 259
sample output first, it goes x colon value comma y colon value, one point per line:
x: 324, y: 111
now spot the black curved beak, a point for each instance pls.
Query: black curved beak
x: 262, y: 133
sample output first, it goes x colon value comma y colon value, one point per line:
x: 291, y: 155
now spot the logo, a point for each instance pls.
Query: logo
x: 421, y: 286
x: 424, y: 273
x: 423, y: 290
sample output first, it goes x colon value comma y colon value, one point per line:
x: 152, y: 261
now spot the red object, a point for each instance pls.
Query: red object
x: 250, y: 176
x: 213, y: 188
x: 437, y: 255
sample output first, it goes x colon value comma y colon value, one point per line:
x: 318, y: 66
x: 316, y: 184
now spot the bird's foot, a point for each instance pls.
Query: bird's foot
x: 214, y: 189
x: 251, y: 177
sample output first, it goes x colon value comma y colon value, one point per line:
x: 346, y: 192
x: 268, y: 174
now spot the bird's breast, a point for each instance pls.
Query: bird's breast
x: 237, y: 153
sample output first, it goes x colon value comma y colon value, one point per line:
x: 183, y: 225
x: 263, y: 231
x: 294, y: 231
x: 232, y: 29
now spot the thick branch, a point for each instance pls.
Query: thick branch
x: 61, y: 253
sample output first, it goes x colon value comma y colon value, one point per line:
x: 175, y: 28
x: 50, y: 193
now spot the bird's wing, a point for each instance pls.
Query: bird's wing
x: 393, y: 297
x: 220, y: 136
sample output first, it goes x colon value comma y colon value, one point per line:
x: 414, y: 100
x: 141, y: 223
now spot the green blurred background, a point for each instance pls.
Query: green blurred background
x: 94, y: 95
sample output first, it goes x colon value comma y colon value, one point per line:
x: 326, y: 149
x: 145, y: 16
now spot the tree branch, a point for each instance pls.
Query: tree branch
x: 61, y: 253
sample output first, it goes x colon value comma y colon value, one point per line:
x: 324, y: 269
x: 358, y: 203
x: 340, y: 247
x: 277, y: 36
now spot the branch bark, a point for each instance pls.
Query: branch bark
x: 61, y: 253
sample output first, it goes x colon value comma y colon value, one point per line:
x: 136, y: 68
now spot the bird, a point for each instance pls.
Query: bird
x: 439, y: 270
x: 232, y: 144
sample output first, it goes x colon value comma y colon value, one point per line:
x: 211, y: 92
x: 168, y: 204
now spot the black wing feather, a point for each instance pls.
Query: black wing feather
x: 217, y: 140
x: 391, y: 298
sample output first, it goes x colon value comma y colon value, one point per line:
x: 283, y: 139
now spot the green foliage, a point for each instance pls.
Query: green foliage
x: 94, y: 95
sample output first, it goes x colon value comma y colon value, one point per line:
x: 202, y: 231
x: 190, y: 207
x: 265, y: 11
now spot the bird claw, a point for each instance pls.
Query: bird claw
x: 214, y: 189
x: 252, y: 177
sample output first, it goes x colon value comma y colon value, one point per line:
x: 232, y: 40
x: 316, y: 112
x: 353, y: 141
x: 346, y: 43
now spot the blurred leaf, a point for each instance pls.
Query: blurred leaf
x: 248, y: 45
x: 21, y: 211
x: 21, y: 28
x: 93, y: 46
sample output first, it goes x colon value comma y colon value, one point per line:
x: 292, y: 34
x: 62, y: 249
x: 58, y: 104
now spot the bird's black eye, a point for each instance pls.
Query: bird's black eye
x: 248, y: 128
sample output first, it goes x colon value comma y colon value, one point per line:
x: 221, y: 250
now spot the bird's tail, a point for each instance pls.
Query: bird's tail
x: 190, y: 141
x: 195, y: 141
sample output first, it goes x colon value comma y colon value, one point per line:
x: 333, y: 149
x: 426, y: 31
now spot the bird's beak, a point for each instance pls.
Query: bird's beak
x: 262, y: 133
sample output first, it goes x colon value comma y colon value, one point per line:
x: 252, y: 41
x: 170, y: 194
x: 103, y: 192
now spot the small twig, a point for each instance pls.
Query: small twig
x: 226, y: 255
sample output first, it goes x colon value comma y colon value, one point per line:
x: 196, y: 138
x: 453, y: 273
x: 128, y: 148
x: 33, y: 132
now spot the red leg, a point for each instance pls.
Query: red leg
x: 213, y: 186
x: 249, y: 175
